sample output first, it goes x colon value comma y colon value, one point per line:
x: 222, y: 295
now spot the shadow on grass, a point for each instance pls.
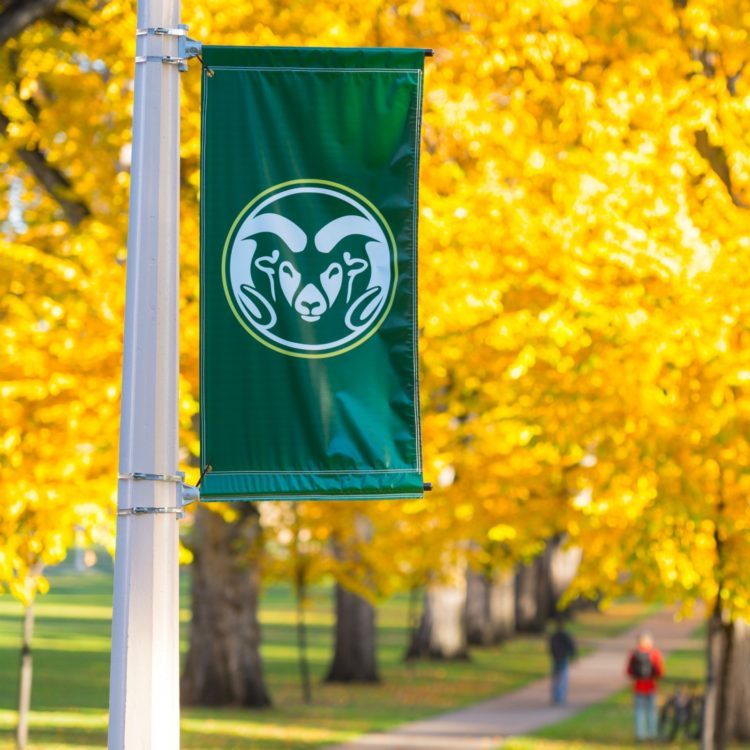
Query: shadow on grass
x: 72, y: 666
x: 58, y: 675
x: 52, y: 738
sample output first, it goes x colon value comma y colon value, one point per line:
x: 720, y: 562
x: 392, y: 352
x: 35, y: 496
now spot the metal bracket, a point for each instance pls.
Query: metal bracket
x: 181, y: 30
x: 168, y: 59
x: 189, y: 494
x: 142, y: 475
x: 141, y: 511
x: 186, y: 47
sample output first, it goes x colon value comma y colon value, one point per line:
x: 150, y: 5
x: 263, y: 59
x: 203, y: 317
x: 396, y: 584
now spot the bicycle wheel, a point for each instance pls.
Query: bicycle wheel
x: 669, y: 720
x: 694, y: 719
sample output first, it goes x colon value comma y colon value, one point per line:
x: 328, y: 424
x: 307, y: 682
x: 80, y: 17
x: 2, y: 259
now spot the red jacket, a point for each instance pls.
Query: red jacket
x: 647, y: 685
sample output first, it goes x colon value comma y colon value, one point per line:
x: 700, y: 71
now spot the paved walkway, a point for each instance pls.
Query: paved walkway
x: 485, y: 725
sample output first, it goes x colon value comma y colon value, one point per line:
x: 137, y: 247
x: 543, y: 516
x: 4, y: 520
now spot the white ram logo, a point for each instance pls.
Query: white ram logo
x: 273, y: 263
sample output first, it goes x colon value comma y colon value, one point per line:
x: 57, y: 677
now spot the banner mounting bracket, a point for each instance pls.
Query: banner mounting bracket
x: 189, y: 494
x: 187, y: 48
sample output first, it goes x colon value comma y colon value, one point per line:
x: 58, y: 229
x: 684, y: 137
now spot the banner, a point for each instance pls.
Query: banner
x: 309, y: 179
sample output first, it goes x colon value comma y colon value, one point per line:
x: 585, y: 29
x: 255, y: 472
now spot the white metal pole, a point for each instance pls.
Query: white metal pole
x: 144, y: 679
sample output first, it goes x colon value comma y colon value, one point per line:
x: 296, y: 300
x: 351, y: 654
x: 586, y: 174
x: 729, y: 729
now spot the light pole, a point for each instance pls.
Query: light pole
x: 144, y: 679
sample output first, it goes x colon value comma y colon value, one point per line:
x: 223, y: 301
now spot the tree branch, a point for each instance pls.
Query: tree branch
x: 732, y: 80
x: 53, y: 181
x: 717, y: 159
x: 14, y: 18
x: 17, y: 16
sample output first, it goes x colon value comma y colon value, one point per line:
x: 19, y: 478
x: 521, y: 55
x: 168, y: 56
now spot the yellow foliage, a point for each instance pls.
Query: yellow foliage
x: 584, y: 236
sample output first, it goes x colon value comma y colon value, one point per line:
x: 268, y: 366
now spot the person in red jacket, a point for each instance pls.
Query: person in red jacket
x: 645, y: 667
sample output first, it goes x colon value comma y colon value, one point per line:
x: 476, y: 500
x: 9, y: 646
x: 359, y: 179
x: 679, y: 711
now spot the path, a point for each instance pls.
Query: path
x: 485, y: 725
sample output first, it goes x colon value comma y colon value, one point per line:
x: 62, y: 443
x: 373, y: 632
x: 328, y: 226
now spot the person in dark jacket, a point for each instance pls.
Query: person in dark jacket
x: 562, y: 649
x: 645, y: 667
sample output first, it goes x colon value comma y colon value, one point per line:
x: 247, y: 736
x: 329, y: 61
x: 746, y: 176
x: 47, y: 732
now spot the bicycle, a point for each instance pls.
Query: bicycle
x: 682, y: 711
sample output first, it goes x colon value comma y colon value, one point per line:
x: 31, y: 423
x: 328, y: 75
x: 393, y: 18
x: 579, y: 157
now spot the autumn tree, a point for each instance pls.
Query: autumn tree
x: 583, y: 251
x: 59, y: 302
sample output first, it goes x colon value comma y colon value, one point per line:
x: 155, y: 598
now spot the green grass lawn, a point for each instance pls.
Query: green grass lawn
x: 71, y: 667
x: 610, y: 723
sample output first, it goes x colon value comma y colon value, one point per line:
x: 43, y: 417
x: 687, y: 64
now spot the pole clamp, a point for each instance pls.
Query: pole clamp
x: 189, y: 494
x: 186, y: 47
x: 181, y: 30
x: 141, y: 511
x: 144, y: 476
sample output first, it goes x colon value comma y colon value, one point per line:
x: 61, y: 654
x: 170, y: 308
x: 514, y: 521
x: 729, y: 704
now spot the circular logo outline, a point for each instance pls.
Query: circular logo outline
x: 240, y: 318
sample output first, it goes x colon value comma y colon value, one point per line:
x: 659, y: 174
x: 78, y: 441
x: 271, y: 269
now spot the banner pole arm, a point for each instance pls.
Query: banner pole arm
x: 144, y: 676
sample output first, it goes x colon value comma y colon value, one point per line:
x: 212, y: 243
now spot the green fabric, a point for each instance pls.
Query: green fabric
x: 309, y: 380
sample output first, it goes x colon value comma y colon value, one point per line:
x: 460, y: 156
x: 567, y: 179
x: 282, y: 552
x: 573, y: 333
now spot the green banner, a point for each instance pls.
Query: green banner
x: 309, y: 371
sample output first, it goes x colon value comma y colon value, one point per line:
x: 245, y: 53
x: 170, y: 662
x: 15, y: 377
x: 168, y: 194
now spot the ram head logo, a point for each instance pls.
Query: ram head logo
x: 315, y: 284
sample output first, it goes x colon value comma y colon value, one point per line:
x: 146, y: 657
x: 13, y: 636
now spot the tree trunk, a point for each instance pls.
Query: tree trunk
x: 533, y: 596
x: 490, y: 607
x: 442, y: 629
x: 740, y: 703
x: 502, y: 606
x: 722, y: 734
x: 541, y: 583
x: 304, y: 665
x: 300, y: 593
x: 563, y: 566
x: 24, y: 681
x: 223, y: 665
x: 478, y: 623
x: 526, y: 614
x: 724, y: 711
x: 712, y: 658
x: 412, y: 614
x: 354, y: 658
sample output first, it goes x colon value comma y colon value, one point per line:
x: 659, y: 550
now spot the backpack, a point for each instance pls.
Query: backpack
x: 641, y: 666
